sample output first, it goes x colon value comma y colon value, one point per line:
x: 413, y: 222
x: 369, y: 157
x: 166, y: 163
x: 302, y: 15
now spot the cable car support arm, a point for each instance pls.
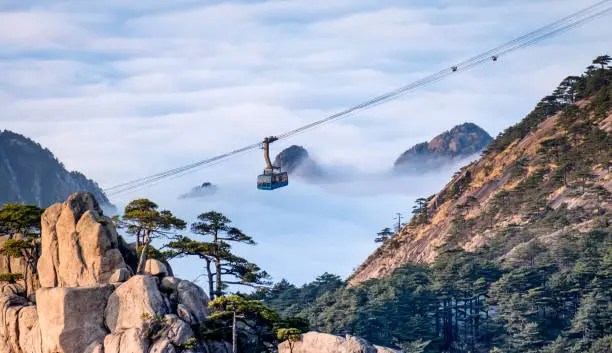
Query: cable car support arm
x: 266, y: 147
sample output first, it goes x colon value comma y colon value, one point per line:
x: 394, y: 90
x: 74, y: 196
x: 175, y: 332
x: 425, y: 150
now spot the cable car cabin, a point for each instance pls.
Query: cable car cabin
x: 272, y: 181
x: 272, y: 177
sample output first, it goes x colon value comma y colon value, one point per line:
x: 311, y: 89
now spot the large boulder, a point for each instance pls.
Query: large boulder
x: 79, y: 244
x: 315, y: 342
x: 162, y: 346
x: 193, y: 300
x: 10, y: 306
x: 72, y: 319
x: 128, y: 341
x: 178, y: 331
x: 155, y: 268
x: 30, y: 339
x: 134, y: 301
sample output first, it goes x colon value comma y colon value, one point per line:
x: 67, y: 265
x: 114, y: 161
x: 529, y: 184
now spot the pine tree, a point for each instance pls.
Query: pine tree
x: 602, y: 60
x: 143, y: 219
x: 228, y: 268
x: 528, y: 339
x: 383, y: 235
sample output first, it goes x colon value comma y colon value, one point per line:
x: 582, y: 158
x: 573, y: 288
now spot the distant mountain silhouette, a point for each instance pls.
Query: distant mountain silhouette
x: 31, y: 174
x: 206, y: 189
x: 461, y: 141
x: 296, y: 161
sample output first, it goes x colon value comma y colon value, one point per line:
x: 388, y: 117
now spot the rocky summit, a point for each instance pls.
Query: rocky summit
x: 296, y: 161
x: 88, y: 299
x: 31, y: 174
x: 459, y: 142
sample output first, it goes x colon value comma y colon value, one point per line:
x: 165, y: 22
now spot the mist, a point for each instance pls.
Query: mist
x: 307, y: 228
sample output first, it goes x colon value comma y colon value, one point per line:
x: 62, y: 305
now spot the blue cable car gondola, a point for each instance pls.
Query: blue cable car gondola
x: 272, y: 177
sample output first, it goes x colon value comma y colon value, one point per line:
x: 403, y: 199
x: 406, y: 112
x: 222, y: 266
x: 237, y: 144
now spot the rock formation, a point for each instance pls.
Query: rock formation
x: 204, y: 190
x: 79, y: 245
x: 296, y: 161
x: 461, y: 141
x: 315, y: 342
x: 90, y: 302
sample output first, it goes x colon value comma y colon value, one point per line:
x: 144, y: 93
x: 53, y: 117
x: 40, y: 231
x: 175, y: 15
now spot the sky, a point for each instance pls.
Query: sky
x: 123, y: 89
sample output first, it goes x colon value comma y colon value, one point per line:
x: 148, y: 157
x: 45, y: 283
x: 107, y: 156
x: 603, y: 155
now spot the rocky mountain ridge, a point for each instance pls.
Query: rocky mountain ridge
x: 548, y: 175
x: 297, y: 161
x: 31, y: 174
x: 459, y: 142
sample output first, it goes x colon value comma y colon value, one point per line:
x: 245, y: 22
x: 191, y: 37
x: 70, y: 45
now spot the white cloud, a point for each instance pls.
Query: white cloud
x: 125, y: 89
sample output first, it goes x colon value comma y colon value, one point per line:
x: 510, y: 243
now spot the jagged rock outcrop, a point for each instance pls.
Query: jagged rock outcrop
x: 296, y: 161
x: 72, y: 319
x: 461, y: 141
x: 191, y: 297
x: 127, y: 341
x: 83, y: 308
x: 315, y: 342
x: 79, y: 245
x: 31, y: 174
x: 137, y: 297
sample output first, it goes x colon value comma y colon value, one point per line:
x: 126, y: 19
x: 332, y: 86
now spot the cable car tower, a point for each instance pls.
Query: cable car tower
x: 272, y: 177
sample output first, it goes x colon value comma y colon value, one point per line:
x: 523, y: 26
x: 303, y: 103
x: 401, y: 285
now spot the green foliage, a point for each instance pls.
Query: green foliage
x: 593, y: 83
x: 291, y: 335
x: 224, y: 307
x: 550, y: 298
x: 419, y: 211
x: 143, y: 220
x: 15, y: 247
x: 383, y: 235
x: 223, y: 267
x: 290, y: 301
x: 602, y: 345
x: 10, y: 277
x: 257, y: 324
x: 418, y: 346
x: 154, y: 325
x: 153, y: 253
x: 18, y: 218
x: 191, y: 343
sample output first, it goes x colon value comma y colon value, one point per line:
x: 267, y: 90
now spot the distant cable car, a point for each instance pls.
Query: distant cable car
x: 494, y: 57
x: 272, y: 177
x: 454, y: 68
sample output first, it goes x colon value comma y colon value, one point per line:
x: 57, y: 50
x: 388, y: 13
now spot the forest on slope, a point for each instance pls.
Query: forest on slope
x: 538, y: 276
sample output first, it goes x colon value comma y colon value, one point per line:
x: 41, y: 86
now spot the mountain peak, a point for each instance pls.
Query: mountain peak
x: 460, y: 141
x: 291, y: 158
